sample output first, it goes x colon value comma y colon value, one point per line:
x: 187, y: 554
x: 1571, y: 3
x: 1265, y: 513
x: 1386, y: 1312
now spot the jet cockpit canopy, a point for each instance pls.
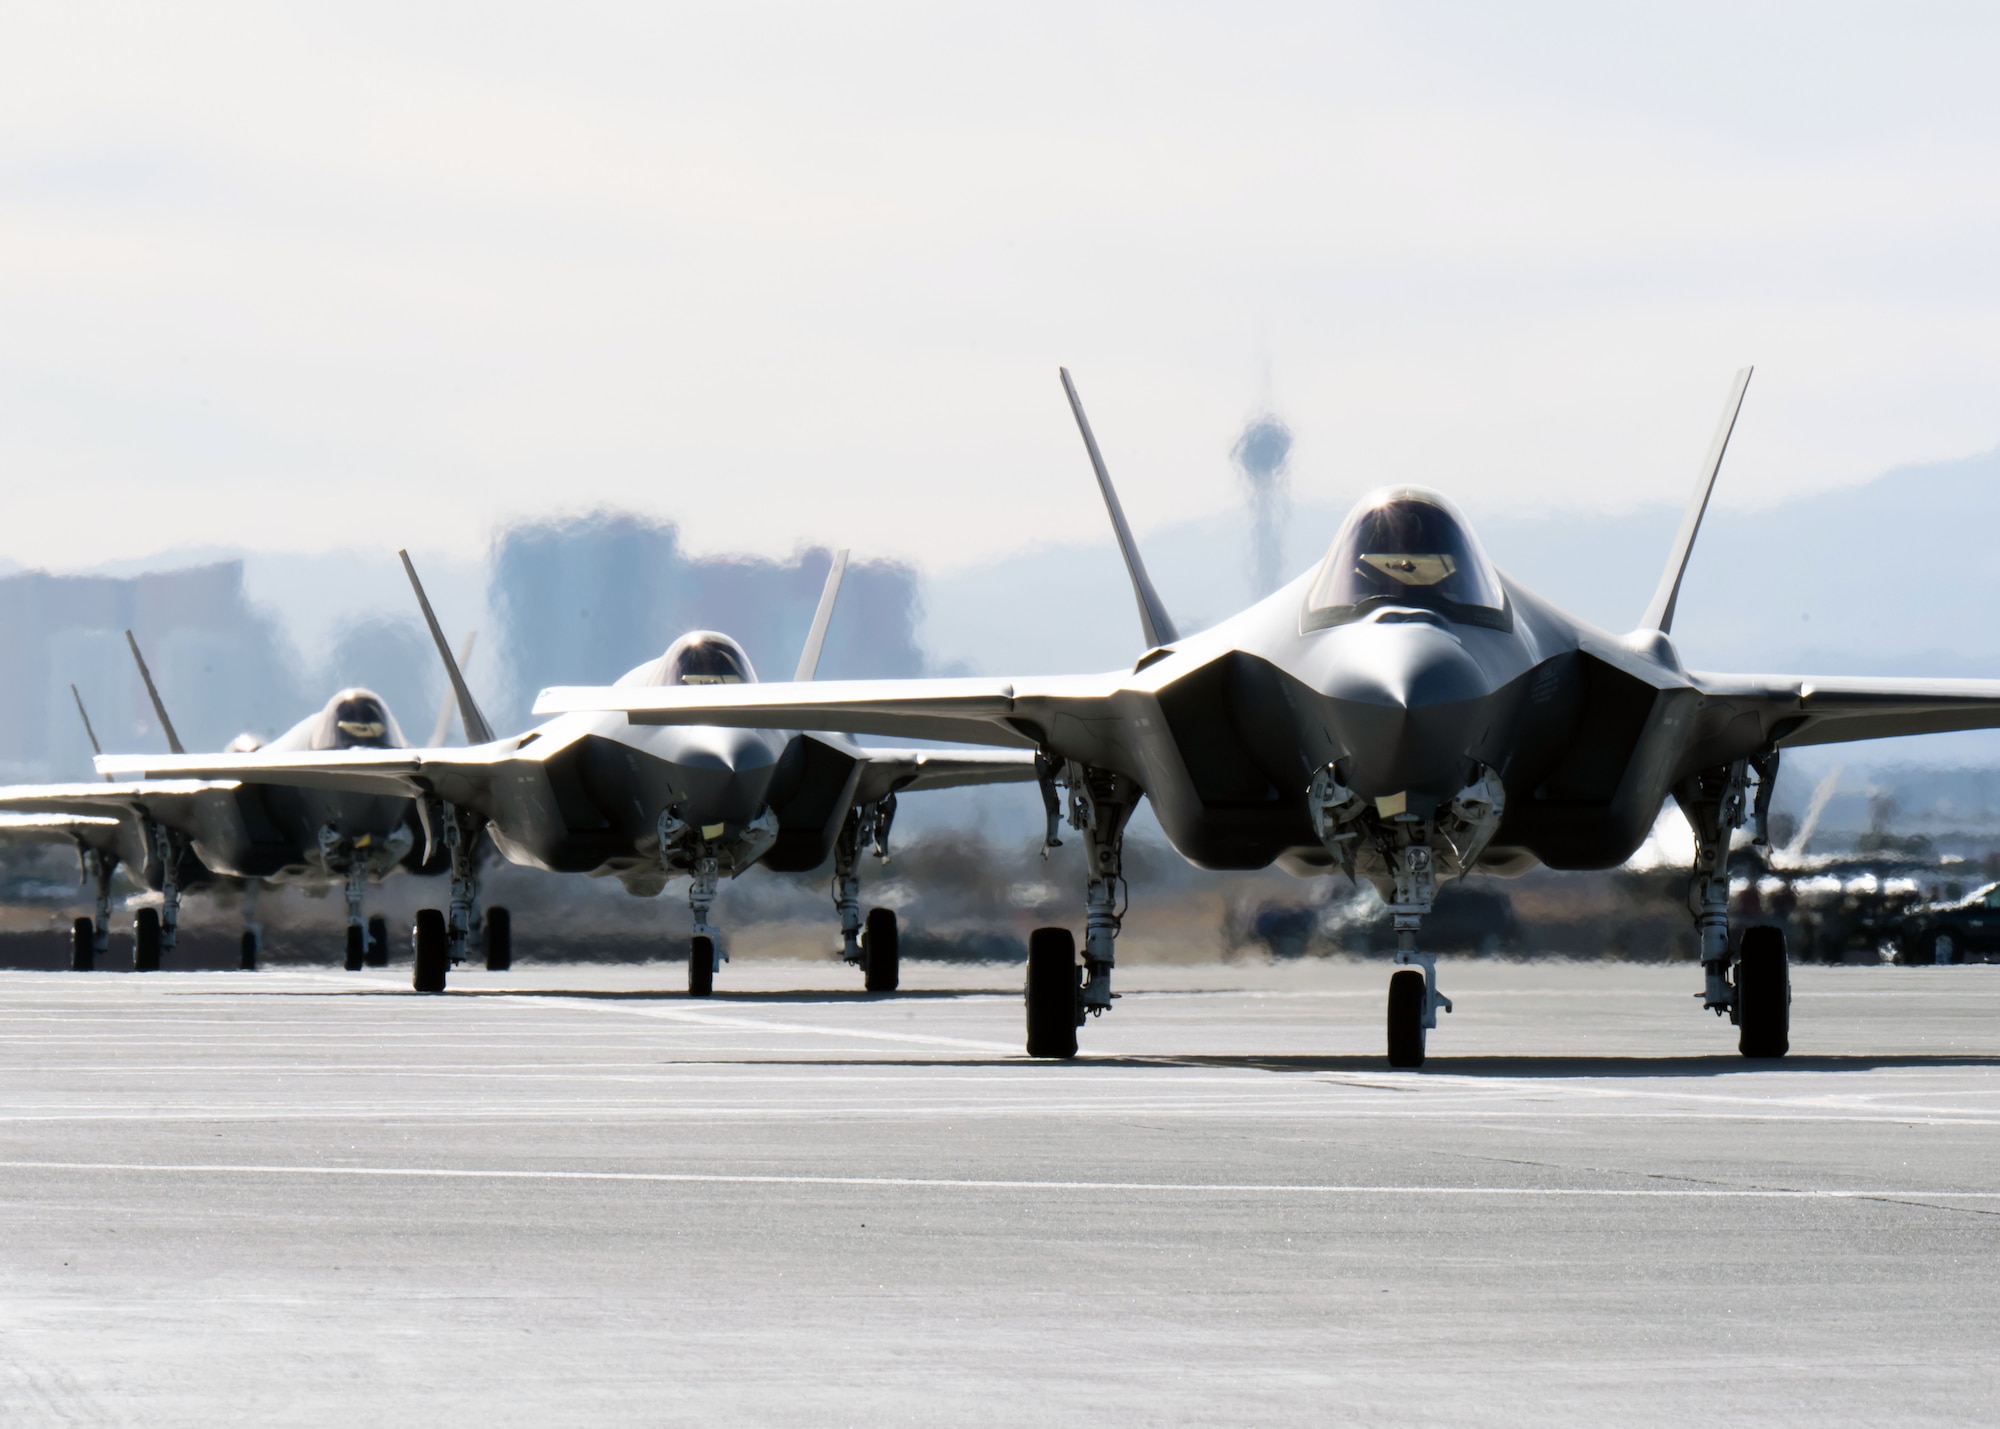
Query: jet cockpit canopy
x: 356, y: 719
x: 1410, y: 547
x: 701, y: 657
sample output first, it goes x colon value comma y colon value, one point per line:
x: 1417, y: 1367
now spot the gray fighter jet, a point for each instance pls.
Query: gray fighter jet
x: 1404, y: 713
x: 594, y: 794
x: 176, y: 833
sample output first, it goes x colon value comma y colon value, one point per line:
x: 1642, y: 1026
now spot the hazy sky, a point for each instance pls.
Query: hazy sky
x: 301, y: 278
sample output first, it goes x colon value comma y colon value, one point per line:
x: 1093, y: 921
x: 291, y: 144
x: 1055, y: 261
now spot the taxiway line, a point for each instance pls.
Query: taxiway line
x: 952, y: 1183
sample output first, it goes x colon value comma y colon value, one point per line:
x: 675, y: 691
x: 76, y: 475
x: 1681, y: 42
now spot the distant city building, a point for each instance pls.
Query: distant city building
x: 221, y: 666
x: 582, y: 601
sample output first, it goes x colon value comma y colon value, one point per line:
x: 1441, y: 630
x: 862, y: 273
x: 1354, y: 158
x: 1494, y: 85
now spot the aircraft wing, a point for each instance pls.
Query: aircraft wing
x: 1792, y: 710
x: 1018, y: 714
x: 459, y: 776
x: 895, y: 771
x: 169, y: 800
x: 93, y: 829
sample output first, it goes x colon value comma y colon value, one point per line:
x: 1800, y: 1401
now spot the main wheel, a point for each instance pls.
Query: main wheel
x: 1052, y: 993
x: 1406, y: 1019
x: 1944, y: 948
x: 880, y: 953
x: 82, y: 946
x: 377, y: 955
x: 357, y: 948
x: 499, y: 940
x: 249, y: 960
x: 701, y: 965
x: 1763, y: 994
x: 146, y: 941
x: 431, y: 944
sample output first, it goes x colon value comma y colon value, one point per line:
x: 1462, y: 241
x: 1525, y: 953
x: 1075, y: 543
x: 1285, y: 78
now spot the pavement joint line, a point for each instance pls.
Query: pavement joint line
x: 974, y: 1183
x: 757, y: 1024
x: 569, y: 1110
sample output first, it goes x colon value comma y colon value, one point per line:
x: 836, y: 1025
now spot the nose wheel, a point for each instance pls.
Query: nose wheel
x: 701, y: 965
x: 1406, y: 1019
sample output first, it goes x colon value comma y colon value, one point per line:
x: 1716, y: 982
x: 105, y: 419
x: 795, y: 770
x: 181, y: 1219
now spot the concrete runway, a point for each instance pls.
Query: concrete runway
x: 569, y: 1195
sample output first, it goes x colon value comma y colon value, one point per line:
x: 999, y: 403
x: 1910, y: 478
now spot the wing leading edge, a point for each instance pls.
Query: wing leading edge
x: 1795, y: 710
x: 900, y: 771
x: 1015, y: 714
x: 460, y: 776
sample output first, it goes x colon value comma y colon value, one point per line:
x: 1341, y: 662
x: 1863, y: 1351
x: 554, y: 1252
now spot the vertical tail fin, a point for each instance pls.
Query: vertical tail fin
x: 1154, y: 621
x: 1660, y: 614
x: 441, y: 731
x: 477, y: 730
x: 89, y: 733
x: 822, y: 617
x: 166, y: 725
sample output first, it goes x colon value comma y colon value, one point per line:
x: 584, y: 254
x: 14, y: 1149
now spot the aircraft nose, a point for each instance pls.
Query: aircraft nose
x: 1408, y: 706
x: 1410, y: 665
x: 727, y: 774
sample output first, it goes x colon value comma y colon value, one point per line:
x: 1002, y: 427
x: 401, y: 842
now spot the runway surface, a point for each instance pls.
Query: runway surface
x: 567, y: 1195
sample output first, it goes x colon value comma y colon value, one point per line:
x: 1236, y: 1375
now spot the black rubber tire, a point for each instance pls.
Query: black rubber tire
x: 1763, y: 994
x: 1406, y: 1019
x: 1052, y: 993
x: 377, y: 955
x: 146, y: 941
x: 499, y: 928
x: 248, y: 962
x: 430, y: 944
x: 357, y: 948
x: 701, y: 965
x: 881, y: 952
x: 82, y: 946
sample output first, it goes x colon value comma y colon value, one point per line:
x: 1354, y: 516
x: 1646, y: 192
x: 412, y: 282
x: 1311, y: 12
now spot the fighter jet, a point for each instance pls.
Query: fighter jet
x: 595, y: 794
x: 176, y: 833
x: 1403, y: 713
x: 102, y: 842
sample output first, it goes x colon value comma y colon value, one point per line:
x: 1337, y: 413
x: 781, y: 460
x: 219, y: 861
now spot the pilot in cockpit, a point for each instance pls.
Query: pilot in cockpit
x: 1405, y: 547
x: 704, y: 657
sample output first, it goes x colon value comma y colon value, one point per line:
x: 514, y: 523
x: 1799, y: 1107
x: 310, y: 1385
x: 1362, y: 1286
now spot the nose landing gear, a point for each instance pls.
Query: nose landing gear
x: 1414, y: 999
x: 1403, y: 844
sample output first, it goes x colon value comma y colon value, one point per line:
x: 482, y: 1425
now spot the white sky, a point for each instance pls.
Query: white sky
x: 300, y: 278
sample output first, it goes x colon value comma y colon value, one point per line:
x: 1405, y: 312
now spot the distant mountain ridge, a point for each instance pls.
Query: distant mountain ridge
x: 1893, y: 576
x: 1898, y: 575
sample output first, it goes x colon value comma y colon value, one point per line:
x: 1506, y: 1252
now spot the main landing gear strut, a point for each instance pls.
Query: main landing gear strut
x: 440, y: 940
x: 871, y: 945
x: 1747, y: 979
x: 155, y: 931
x: 90, y: 940
x: 1059, y: 995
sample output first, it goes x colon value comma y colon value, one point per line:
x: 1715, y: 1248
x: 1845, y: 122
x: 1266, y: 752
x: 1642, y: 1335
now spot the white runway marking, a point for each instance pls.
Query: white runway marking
x: 943, y: 1183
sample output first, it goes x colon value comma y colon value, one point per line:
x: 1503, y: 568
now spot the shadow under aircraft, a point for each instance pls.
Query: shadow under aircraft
x: 174, y: 834
x: 598, y: 795
x: 1403, y: 713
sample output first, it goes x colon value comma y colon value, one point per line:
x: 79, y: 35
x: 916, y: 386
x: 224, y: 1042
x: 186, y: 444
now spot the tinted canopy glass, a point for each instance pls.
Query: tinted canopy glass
x: 705, y: 658
x: 357, y: 719
x: 1405, y: 547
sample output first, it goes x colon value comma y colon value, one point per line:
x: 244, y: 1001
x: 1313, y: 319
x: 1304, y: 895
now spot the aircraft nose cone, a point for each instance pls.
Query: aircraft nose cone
x: 1408, y: 706
x: 1410, y: 665
x: 727, y: 774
